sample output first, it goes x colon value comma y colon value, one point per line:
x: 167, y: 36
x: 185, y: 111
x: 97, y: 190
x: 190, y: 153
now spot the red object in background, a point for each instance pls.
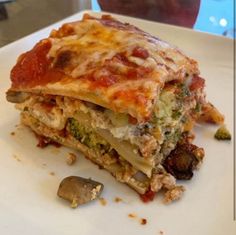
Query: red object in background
x: 176, y: 12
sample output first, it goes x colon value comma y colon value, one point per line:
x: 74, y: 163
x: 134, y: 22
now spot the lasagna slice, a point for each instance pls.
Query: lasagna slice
x: 124, y: 98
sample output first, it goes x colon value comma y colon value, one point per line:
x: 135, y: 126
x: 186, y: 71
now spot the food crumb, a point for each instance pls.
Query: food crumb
x: 222, y: 133
x: 13, y: 133
x: 173, y: 194
x: 161, y: 233
x: 132, y: 215
x: 102, y: 201
x: 52, y: 173
x: 43, y: 165
x: 143, y: 221
x: 55, y: 151
x: 117, y: 199
x: 71, y: 159
x: 17, y: 158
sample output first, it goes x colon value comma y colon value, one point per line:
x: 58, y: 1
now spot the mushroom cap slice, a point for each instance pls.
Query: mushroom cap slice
x: 79, y: 190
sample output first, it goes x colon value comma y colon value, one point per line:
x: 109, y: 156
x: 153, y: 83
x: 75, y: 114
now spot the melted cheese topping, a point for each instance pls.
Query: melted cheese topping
x: 103, y: 61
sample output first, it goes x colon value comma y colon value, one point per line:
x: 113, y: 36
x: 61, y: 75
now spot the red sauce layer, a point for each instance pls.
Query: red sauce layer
x: 140, y: 52
x: 132, y: 96
x: 148, y: 196
x: 33, y: 69
x: 197, y: 83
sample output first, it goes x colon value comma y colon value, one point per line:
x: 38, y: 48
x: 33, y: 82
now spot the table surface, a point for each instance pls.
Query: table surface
x: 22, y: 17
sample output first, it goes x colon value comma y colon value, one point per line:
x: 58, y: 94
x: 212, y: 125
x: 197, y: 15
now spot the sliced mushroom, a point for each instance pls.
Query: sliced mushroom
x: 183, y: 160
x: 79, y: 190
x: 16, y: 96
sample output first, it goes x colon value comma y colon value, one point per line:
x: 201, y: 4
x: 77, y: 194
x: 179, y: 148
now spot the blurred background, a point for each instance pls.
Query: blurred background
x: 22, y: 17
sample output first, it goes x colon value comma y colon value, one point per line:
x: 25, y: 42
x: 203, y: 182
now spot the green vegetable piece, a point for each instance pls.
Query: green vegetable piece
x: 184, y: 91
x: 176, y: 114
x: 223, y: 133
x: 198, y: 108
x: 87, y: 135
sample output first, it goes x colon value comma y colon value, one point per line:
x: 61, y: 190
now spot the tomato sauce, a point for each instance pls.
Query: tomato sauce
x: 131, y: 96
x: 197, y: 83
x: 121, y: 58
x: 33, y: 68
x: 148, y: 196
x: 140, y: 52
x: 132, y: 120
x: 114, y: 75
x: 138, y: 73
x: 103, y: 81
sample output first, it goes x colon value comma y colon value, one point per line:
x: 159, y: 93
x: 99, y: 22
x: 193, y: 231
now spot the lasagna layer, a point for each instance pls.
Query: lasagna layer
x: 107, y: 158
x: 105, y: 62
x: 132, y: 152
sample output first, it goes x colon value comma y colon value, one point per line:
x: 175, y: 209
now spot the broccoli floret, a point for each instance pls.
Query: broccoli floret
x: 222, y: 134
x: 176, y: 114
x: 76, y: 129
x: 184, y: 91
x: 87, y: 136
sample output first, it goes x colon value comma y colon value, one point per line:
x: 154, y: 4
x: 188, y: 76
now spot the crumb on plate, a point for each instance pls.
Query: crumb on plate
x: 71, y: 159
x: 102, y: 201
x: 118, y: 199
x: 55, y: 151
x: 173, y: 194
x: 222, y: 133
x: 131, y: 215
x: 17, y: 158
x: 143, y: 221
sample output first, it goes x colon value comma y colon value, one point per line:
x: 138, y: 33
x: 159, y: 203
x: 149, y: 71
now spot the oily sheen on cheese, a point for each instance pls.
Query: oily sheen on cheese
x: 99, y: 60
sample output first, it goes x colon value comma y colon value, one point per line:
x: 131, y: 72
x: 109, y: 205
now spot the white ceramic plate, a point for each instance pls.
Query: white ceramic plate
x: 28, y: 201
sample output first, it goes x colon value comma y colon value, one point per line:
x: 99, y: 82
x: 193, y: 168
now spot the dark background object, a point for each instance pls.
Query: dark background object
x: 5, y: 1
x: 177, y: 12
x: 22, y: 17
x: 28, y: 16
x: 19, y: 18
x: 3, y: 12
